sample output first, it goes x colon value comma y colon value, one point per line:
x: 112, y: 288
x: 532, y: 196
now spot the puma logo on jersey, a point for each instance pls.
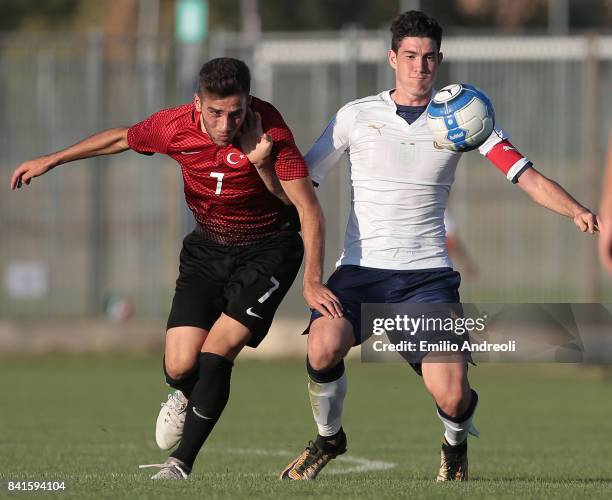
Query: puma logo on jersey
x: 376, y: 127
x: 508, y: 148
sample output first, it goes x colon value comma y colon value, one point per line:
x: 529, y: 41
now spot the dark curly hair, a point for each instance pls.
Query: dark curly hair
x: 414, y: 23
x: 224, y: 76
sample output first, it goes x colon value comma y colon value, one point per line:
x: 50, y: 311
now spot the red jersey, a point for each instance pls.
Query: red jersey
x: 229, y: 201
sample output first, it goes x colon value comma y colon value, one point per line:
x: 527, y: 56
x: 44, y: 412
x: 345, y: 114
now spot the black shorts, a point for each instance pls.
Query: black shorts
x: 247, y: 283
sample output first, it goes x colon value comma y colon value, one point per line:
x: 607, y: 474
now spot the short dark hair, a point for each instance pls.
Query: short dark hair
x: 224, y: 76
x: 414, y: 23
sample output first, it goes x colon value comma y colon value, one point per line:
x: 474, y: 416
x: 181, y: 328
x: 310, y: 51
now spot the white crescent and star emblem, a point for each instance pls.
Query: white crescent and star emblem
x: 229, y: 160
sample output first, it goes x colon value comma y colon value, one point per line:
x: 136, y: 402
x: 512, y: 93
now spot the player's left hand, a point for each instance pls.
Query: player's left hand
x: 321, y: 298
x: 253, y: 142
x: 587, y: 221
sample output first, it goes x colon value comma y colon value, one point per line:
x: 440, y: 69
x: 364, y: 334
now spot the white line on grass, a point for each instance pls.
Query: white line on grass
x: 353, y: 464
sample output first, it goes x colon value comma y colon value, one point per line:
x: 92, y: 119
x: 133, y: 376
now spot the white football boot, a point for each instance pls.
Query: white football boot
x: 171, y: 469
x: 170, y: 421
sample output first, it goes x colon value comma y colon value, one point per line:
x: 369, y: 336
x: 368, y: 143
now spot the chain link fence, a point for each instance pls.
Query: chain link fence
x: 112, y: 226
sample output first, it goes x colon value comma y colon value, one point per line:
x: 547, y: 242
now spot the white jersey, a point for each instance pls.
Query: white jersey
x: 400, y: 182
x: 449, y: 224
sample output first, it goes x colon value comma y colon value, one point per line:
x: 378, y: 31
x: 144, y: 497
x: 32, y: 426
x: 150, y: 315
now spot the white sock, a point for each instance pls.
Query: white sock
x: 326, y: 401
x: 457, y: 432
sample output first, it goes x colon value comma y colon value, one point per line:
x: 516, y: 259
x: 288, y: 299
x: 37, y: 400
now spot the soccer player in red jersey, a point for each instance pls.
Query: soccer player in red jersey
x: 242, y: 257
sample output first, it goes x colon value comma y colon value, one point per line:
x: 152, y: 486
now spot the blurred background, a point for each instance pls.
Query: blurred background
x: 95, y: 243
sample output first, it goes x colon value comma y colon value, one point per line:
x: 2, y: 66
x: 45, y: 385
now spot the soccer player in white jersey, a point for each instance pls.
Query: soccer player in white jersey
x: 394, y: 248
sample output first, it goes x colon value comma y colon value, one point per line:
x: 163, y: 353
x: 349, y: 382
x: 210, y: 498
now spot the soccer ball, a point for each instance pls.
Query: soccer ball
x: 461, y: 117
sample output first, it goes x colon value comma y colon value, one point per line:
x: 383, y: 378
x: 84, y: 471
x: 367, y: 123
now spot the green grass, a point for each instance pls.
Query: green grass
x: 89, y: 420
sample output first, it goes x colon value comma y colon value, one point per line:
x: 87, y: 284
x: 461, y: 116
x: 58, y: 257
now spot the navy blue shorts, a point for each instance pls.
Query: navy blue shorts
x: 356, y: 285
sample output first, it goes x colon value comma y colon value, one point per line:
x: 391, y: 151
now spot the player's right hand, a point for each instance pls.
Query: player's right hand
x: 254, y: 143
x: 25, y: 172
x: 321, y: 298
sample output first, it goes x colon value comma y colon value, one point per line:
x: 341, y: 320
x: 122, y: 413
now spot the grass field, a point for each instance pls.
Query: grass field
x: 546, y: 432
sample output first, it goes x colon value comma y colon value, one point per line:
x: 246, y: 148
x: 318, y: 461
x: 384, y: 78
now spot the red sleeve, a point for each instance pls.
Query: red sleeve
x: 154, y: 134
x: 509, y: 160
x: 288, y: 161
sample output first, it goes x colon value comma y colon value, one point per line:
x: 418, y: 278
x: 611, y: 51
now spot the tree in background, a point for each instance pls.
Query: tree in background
x: 41, y: 15
x: 119, y: 16
x: 508, y: 16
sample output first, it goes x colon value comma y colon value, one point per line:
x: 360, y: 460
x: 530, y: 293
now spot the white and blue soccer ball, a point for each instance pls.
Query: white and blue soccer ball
x: 461, y: 117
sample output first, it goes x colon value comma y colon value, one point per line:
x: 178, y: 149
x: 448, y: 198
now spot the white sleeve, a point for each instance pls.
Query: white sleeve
x: 332, y: 144
x: 496, y: 137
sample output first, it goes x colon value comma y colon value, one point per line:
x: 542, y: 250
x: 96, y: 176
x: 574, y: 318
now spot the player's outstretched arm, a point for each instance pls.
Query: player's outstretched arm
x: 605, y: 212
x: 103, y: 143
x: 551, y: 195
x: 317, y: 296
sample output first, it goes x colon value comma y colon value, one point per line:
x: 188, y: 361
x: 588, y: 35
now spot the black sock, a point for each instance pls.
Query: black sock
x: 323, y: 377
x: 206, y: 403
x: 458, y: 448
x: 325, y: 442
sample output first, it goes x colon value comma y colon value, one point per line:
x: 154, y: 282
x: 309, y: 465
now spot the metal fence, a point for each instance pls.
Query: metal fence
x: 113, y: 225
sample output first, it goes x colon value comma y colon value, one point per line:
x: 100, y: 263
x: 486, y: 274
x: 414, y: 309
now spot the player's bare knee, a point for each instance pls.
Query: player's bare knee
x: 324, y: 357
x: 453, y: 400
x: 328, y: 343
x: 449, y: 406
x: 325, y: 351
x: 183, y: 346
x: 179, y: 369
